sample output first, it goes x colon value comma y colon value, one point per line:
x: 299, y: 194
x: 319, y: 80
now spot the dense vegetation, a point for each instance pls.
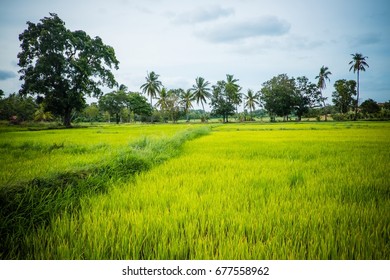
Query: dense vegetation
x: 63, y: 67
x: 249, y: 191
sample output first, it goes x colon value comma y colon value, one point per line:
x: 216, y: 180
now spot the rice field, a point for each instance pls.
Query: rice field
x: 234, y: 191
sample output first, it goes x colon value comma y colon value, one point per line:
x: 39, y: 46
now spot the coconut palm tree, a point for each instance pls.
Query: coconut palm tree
x: 358, y: 63
x: 162, y: 100
x: 322, y: 77
x: 186, y: 100
x: 152, y: 85
x: 200, y: 91
x: 251, y: 101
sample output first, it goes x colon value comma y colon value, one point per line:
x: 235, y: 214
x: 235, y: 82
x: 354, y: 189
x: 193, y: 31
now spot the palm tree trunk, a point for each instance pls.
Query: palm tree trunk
x: 204, y: 113
x: 357, y: 97
x: 151, y: 104
x: 325, y: 113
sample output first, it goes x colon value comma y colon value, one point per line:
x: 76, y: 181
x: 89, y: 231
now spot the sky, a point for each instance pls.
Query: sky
x: 254, y: 40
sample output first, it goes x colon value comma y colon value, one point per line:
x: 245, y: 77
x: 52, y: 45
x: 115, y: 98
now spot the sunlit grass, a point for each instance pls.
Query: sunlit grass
x: 275, y: 191
x: 29, y: 154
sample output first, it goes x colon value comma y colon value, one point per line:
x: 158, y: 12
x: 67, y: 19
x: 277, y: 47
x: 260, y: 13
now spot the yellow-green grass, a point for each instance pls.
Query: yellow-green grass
x: 279, y: 191
x: 26, y: 155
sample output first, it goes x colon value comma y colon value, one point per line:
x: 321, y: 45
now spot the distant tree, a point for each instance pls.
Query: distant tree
x: 322, y: 77
x: 152, y: 86
x: 138, y: 105
x: 233, y: 91
x: 92, y: 112
x: 251, y: 101
x: 64, y: 66
x: 42, y: 115
x: 221, y: 101
x: 20, y: 108
x: 358, y: 63
x: 162, y: 100
x: 278, y: 96
x: 1, y: 93
x: 113, y: 103
x: 201, y: 91
x: 186, y: 98
x: 173, y: 104
x: 386, y: 105
x: 343, y: 97
x: 307, y: 95
x: 370, y: 106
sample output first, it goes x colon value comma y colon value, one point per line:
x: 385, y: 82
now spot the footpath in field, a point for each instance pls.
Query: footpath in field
x: 242, y: 192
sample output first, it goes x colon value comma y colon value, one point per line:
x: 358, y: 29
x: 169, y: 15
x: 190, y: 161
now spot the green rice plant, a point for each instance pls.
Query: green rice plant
x: 29, y: 205
x: 242, y: 192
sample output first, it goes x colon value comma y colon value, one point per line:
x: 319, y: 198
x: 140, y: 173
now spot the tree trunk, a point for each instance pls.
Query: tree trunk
x: 67, y: 118
x: 204, y: 113
x: 357, y: 97
x: 151, y: 117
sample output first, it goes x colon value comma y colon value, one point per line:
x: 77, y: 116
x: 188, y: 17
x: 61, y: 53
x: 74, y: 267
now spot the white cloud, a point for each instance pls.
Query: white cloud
x: 202, y: 15
x: 235, y: 31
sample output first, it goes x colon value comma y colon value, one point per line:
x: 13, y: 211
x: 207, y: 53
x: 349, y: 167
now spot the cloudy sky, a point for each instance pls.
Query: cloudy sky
x: 252, y: 39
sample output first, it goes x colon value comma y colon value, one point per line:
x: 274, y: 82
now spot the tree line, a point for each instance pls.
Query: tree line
x: 61, y: 68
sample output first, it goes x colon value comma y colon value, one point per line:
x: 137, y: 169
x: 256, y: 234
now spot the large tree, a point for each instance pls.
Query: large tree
x: 343, y: 97
x: 233, y: 90
x: 358, y: 63
x: 307, y: 95
x: 64, y: 66
x: 322, y: 77
x: 114, y: 103
x: 221, y: 101
x: 278, y: 96
x: 138, y: 105
x: 201, y: 91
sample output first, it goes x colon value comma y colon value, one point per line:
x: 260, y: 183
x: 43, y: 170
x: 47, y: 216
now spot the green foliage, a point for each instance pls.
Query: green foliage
x: 277, y: 95
x: 358, y: 63
x: 64, y: 66
x: 17, y: 108
x: 42, y: 115
x: 201, y: 91
x: 152, y: 86
x: 369, y: 106
x: 251, y: 101
x: 232, y: 90
x: 221, y: 101
x: 307, y: 96
x: 343, y: 97
x: 113, y: 103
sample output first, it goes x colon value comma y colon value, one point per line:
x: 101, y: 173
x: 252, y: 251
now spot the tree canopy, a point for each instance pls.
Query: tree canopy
x: 64, y: 66
x: 343, y: 97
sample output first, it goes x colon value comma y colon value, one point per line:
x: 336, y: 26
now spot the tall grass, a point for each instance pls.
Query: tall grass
x: 27, y: 205
x: 26, y: 155
x: 242, y: 192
